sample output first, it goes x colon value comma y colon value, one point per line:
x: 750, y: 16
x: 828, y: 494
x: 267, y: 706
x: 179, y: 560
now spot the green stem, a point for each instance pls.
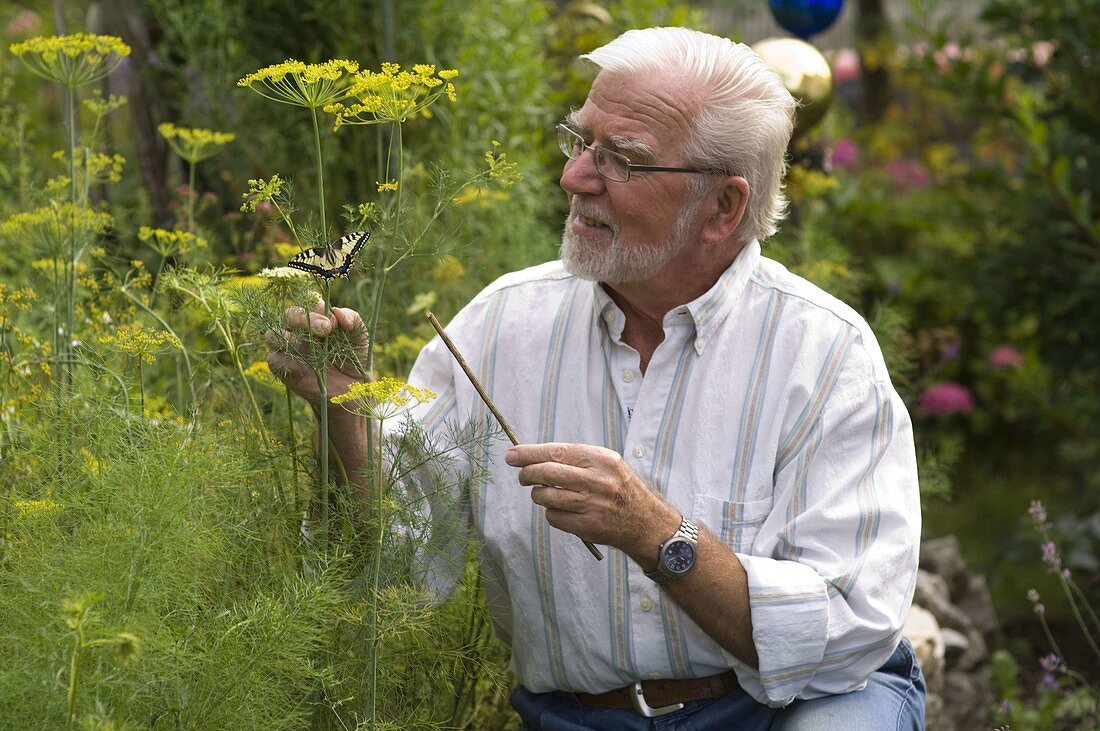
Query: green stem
x: 235, y: 354
x: 191, y: 198
x: 320, y: 172
x: 65, y: 339
x: 293, y: 444
x: 74, y: 671
x: 1050, y: 637
x: 183, y: 349
x: 1077, y: 616
x: 1085, y: 603
x: 375, y: 574
x: 322, y: 416
x: 141, y: 388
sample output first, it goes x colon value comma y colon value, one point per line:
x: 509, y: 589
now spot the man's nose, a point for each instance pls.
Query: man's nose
x: 580, y: 176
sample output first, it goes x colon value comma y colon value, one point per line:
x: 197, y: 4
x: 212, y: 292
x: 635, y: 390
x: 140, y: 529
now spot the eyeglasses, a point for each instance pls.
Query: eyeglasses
x: 612, y: 165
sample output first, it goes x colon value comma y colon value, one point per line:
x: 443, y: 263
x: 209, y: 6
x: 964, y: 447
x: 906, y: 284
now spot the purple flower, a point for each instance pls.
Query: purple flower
x: 950, y: 349
x: 1040, y: 609
x: 906, y: 173
x: 1051, y: 557
x: 844, y: 154
x: 1050, y: 662
x: 1038, y: 512
x: 1006, y: 708
x: 1048, y: 682
x: 1032, y: 596
x: 1005, y: 356
x: 948, y: 397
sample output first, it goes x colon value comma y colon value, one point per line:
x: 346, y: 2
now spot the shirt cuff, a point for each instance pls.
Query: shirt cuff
x: 789, y: 604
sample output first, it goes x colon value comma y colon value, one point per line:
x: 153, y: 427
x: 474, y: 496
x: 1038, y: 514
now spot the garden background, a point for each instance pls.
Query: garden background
x: 154, y: 567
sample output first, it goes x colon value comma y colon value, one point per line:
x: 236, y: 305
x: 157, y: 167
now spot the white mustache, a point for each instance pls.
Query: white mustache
x: 583, y: 210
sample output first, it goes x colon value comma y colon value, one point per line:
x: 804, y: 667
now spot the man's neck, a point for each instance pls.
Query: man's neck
x: 645, y: 303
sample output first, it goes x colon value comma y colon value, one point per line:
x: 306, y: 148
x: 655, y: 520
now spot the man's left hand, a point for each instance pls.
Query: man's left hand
x: 593, y: 493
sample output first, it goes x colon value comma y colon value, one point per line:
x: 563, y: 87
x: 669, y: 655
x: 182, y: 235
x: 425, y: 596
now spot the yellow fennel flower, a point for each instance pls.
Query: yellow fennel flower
x: 383, y: 398
x: 260, y: 371
x: 44, y: 508
x: 393, y: 95
x: 170, y: 243
x: 309, y: 85
x: 72, y: 60
x: 144, y: 343
x: 50, y: 228
x: 262, y: 191
x: 192, y: 144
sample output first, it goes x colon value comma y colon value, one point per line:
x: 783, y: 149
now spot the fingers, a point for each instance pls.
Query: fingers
x: 288, y: 369
x: 555, y: 473
x: 555, y: 498
x: 578, y: 455
x: 314, y: 323
x: 352, y: 323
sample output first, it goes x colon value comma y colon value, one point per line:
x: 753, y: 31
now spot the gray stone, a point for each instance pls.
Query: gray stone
x: 976, y: 653
x: 978, y: 605
x: 936, y: 717
x: 929, y: 593
x: 942, y: 557
x: 925, y: 635
x: 955, y: 645
x: 969, y: 697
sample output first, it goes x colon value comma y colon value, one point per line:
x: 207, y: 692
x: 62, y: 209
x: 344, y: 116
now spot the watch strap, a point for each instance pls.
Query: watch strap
x: 687, y: 531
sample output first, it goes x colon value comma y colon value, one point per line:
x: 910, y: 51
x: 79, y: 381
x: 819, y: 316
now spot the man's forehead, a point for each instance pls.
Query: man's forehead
x: 637, y: 108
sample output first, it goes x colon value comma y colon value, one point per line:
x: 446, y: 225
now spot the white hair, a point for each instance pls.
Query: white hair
x: 743, y: 115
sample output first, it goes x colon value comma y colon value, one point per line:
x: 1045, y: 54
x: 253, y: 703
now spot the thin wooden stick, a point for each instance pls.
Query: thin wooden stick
x: 489, y: 402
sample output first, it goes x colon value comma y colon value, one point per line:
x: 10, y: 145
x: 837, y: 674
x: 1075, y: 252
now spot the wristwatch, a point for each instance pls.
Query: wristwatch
x: 677, y: 556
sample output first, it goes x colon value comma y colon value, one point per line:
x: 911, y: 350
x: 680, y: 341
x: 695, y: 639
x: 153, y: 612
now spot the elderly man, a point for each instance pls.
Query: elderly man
x: 725, y: 429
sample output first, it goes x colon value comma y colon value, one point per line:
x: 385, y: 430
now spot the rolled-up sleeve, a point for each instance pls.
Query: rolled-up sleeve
x: 832, y: 573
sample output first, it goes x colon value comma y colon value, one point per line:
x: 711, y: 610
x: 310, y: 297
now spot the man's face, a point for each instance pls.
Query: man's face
x: 627, y: 232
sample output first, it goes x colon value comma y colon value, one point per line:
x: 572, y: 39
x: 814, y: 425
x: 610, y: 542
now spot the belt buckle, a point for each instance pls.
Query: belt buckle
x: 640, y: 705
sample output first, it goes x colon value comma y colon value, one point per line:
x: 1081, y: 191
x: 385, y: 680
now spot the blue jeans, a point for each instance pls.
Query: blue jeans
x: 892, y: 701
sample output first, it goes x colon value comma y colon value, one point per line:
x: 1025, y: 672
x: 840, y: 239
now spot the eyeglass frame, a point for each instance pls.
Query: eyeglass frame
x: 631, y: 167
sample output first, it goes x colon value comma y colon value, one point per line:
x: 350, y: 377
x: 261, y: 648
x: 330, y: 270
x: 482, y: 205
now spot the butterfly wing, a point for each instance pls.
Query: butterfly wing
x: 331, y: 261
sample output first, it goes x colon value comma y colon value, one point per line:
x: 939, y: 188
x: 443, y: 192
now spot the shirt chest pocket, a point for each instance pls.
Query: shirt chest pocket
x: 735, y: 523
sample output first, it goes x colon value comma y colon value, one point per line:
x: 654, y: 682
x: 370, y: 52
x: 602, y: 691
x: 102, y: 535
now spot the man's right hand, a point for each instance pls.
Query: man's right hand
x: 303, y: 330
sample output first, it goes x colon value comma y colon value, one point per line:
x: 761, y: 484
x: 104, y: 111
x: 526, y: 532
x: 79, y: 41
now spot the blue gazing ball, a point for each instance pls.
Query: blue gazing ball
x: 804, y: 18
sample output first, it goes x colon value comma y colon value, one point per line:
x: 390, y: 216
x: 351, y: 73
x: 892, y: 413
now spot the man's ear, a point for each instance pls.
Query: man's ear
x: 727, y: 207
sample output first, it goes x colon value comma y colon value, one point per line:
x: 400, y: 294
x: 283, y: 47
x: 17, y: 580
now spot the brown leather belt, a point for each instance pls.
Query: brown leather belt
x: 657, y: 697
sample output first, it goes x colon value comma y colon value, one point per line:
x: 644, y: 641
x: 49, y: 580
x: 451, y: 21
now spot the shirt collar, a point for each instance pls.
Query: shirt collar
x: 706, y: 312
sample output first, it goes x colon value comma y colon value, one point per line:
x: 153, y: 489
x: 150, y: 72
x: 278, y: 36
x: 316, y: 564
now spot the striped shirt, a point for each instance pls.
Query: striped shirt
x: 766, y: 414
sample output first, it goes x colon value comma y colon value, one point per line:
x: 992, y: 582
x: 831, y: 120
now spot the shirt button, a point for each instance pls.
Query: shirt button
x: 654, y: 676
x: 646, y: 605
x: 628, y: 375
x: 608, y: 316
x: 639, y: 451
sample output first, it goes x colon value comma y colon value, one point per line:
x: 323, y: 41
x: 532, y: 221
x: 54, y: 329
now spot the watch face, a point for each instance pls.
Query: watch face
x: 679, y: 556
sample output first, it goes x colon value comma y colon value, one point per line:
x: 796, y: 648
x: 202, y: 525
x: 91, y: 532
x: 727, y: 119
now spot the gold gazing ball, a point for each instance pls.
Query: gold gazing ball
x: 805, y: 73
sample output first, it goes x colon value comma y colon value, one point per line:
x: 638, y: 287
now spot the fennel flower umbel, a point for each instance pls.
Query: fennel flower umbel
x: 309, y: 85
x: 72, y: 60
x: 393, y: 95
x: 194, y: 145
x: 383, y: 398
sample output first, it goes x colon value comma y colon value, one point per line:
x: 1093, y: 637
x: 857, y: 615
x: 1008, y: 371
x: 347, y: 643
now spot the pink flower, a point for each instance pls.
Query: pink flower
x: 844, y: 154
x: 26, y: 22
x: 948, y: 397
x: 846, y: 66
x: 906, y: 173
x: 1005, y: 356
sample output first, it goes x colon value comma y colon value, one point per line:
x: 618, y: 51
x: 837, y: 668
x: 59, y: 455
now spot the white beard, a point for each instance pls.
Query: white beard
x: 619, y: 264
